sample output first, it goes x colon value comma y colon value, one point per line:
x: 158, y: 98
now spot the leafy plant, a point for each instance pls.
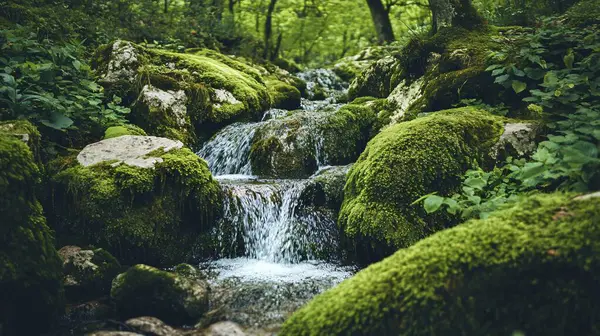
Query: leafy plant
x: 51, y: 84
x: 556, y: 71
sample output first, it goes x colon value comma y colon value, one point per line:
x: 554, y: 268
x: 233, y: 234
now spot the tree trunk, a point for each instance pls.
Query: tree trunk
x: 381, y: 20
x: 269, y: 28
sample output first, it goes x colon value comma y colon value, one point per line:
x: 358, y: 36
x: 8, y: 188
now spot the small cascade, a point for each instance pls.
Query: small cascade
x: 265, y: 216
x: 228, y: 151
x: 270, y: 235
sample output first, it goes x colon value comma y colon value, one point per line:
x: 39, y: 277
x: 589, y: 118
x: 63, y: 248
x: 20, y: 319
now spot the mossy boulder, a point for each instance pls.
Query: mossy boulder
x: 147, y: 291
x: 283, y: 95
x: 378, y: 80
x: 326, y: 188
x: 144, y: 199
x: 31, y: 273
x: 88, y: 273
x: 531, y: 268
x: 350, y: 67
x: 117, y: 131
x: 401, y: 164
x: 294, y: 146
x: 187, y: 96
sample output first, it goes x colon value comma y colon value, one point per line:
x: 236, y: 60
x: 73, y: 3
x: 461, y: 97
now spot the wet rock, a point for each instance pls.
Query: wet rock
x: 132, y: 150
x: 226, y: 328
x: 147, y: 291
x: 151, y: 326
x: 88, y: 273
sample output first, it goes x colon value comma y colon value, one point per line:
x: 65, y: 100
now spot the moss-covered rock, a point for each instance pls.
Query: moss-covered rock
x: 31, y: 272
x: 144, y: 199
x: 283, y: 95
x: 378, y: 80
x: 403, y: 163
x: 26, y: 132
x: 294, y: 146
x: 186, y: 96
x: 350, y: 67
x: 531, y: 268
x: 326, y: 188
x: 117, y: 131
x: 147, y: 291
x: 88, y: 272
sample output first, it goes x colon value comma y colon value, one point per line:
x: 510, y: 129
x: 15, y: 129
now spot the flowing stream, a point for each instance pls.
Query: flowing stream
x: 270, y: 241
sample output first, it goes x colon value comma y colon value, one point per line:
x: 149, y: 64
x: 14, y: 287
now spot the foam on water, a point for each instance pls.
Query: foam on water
x: 261, y: 270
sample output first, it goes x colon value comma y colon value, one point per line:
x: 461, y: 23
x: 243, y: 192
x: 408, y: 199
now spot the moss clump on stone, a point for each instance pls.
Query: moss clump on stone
x: 152, y: 215
x: 117, y: 131
x: 283, y: 95
x: 294, y: 146
x: 531, y: 268
x: 31, y: 272
x: 24, y: 130
x: 147, y: 291
x: 378, y: 80
x: 403, y: 163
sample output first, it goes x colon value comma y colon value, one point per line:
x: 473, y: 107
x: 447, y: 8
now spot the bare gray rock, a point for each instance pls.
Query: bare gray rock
x: 133, y: 150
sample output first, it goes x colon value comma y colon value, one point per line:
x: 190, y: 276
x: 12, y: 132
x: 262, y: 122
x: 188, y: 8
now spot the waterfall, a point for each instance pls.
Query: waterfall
x: 228, y: 151
x: 266, y: 217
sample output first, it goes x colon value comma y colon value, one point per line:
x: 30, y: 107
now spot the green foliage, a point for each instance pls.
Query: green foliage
x: 560, y: 64
x: 532, y: 268
x: 51, y: 84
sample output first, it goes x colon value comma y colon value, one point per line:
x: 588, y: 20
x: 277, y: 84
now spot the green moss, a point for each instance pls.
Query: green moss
x: 403, y: 163
x: 531, y: 268
x: 283, y: 95
x: 31, y: 272
x: 346, y: 132
x: 290, y: 147
x: 24, y: 130
x: 138, y: 214
x: 147, y: 291
x: 89, y: 274
x: 378, y: 80
x: 117, y: 131
x: 584, y: 13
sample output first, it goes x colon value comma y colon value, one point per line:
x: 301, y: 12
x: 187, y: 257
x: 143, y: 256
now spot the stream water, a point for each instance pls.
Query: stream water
x: 269, y: 241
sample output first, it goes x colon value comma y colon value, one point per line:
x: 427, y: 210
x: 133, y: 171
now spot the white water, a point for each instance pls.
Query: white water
x: 269, y: 239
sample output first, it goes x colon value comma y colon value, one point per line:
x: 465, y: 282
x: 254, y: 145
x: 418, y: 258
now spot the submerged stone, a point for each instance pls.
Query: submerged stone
x: 528, y: 268
x: 144, y: 199
x: 152, y: 326
x: 147, y: 291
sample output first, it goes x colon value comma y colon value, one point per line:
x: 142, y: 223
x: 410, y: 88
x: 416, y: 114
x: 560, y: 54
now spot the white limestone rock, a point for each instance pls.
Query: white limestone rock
x: 170, y: 102
x: 132, y: 150
x: 123, y: 63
